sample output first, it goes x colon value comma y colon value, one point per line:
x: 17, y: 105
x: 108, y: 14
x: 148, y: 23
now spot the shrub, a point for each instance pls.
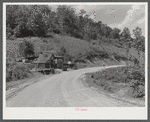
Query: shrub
x: 19, y: 72
x: 102, y: 83
x: 26, y: 48
x: 8, y: 76
x: 137, y: 89
x: 16, y: 72
x: 108, y: 86
x: 141, y: 91
x: 139, y: 76
x: 135, y: 79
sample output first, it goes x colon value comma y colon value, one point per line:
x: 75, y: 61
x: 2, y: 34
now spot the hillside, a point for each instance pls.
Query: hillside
x: 82, y: 53
x: 76, y: 50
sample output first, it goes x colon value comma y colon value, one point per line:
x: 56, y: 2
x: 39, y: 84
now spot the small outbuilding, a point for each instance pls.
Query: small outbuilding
x: 59, y: 60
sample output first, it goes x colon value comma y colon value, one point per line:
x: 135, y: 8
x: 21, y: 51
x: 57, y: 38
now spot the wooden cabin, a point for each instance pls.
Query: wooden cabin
x: 44, y: 61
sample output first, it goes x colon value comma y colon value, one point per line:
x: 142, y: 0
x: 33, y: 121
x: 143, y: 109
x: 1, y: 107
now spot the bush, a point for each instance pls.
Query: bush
x: 16, y: 72
x: 102, y: 83
x: 138, y: 76
x: 107, y: 85
x: 8, y: 76
x: 135, y: 79
x: 141, y: 91
x: 137, y: 89
x: 26, y: 48
x: 19, y: 72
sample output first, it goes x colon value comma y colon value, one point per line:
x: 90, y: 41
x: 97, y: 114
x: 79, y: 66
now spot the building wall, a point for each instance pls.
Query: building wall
x: 59, y: 63
x: 40, y: 65
x: 47, y: 65
x: 52, y: 62
x: 36, y: 66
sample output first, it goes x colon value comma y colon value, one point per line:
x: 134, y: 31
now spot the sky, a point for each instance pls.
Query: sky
x: 116, y: 16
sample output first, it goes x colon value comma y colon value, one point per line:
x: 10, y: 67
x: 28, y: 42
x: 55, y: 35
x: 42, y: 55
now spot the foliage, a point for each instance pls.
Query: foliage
x: 17, y: 17
x: 19, y: 72
x: 39, y: 20
x: 134, y: 78
x: 126, y: 33
x: 26, y: 48
x: 139, y: 40
x: 14, y: 71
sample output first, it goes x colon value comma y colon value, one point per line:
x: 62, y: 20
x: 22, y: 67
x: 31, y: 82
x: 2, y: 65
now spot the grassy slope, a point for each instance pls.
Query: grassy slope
x: 116, y: 81
x: 76, y: 48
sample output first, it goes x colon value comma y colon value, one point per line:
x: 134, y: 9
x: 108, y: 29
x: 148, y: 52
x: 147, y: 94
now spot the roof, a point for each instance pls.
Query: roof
x: 43, y: 58
x: 58, y: 56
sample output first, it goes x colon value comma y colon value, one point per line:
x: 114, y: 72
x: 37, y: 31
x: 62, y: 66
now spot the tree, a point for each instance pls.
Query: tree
x: 139, y: 40
x: 39, y: 20
x: 67, y: 20
x: 137, y: 32
x: 105, y: 30
x: 26, y: 48
x: 126, y: 34
x: 11, y: 15
x: 16, y: 20
x: 126, y: 38
x: 82, y: 12
x: 62, y: 51
x: 115, y: 33
x: 127, y: 41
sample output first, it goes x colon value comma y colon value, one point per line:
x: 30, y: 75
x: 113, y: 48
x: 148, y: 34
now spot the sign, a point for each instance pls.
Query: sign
x: 69, y: 62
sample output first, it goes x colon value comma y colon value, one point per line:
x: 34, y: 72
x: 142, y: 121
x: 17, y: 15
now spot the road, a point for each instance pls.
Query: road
x: 63, y: 90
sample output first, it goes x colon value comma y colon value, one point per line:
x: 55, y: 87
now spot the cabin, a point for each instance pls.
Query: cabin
x: 44, y: 61
x: 47, y: 60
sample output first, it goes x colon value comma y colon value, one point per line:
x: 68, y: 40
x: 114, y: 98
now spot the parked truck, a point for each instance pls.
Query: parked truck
x: 64, y: 67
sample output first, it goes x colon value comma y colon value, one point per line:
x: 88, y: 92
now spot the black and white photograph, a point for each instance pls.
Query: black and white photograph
x: 77, y: 57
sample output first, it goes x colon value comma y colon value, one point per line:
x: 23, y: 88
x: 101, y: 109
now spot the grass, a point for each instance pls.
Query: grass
x: 75, y: 48
x: 17, y: 72
x: 16, y: 83
x: 116, y: 80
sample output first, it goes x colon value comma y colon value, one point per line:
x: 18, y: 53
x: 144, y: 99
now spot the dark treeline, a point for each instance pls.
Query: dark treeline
x: 40, y: 20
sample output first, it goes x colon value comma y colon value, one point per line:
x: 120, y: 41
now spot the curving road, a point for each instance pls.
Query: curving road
x: 63, y: 90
